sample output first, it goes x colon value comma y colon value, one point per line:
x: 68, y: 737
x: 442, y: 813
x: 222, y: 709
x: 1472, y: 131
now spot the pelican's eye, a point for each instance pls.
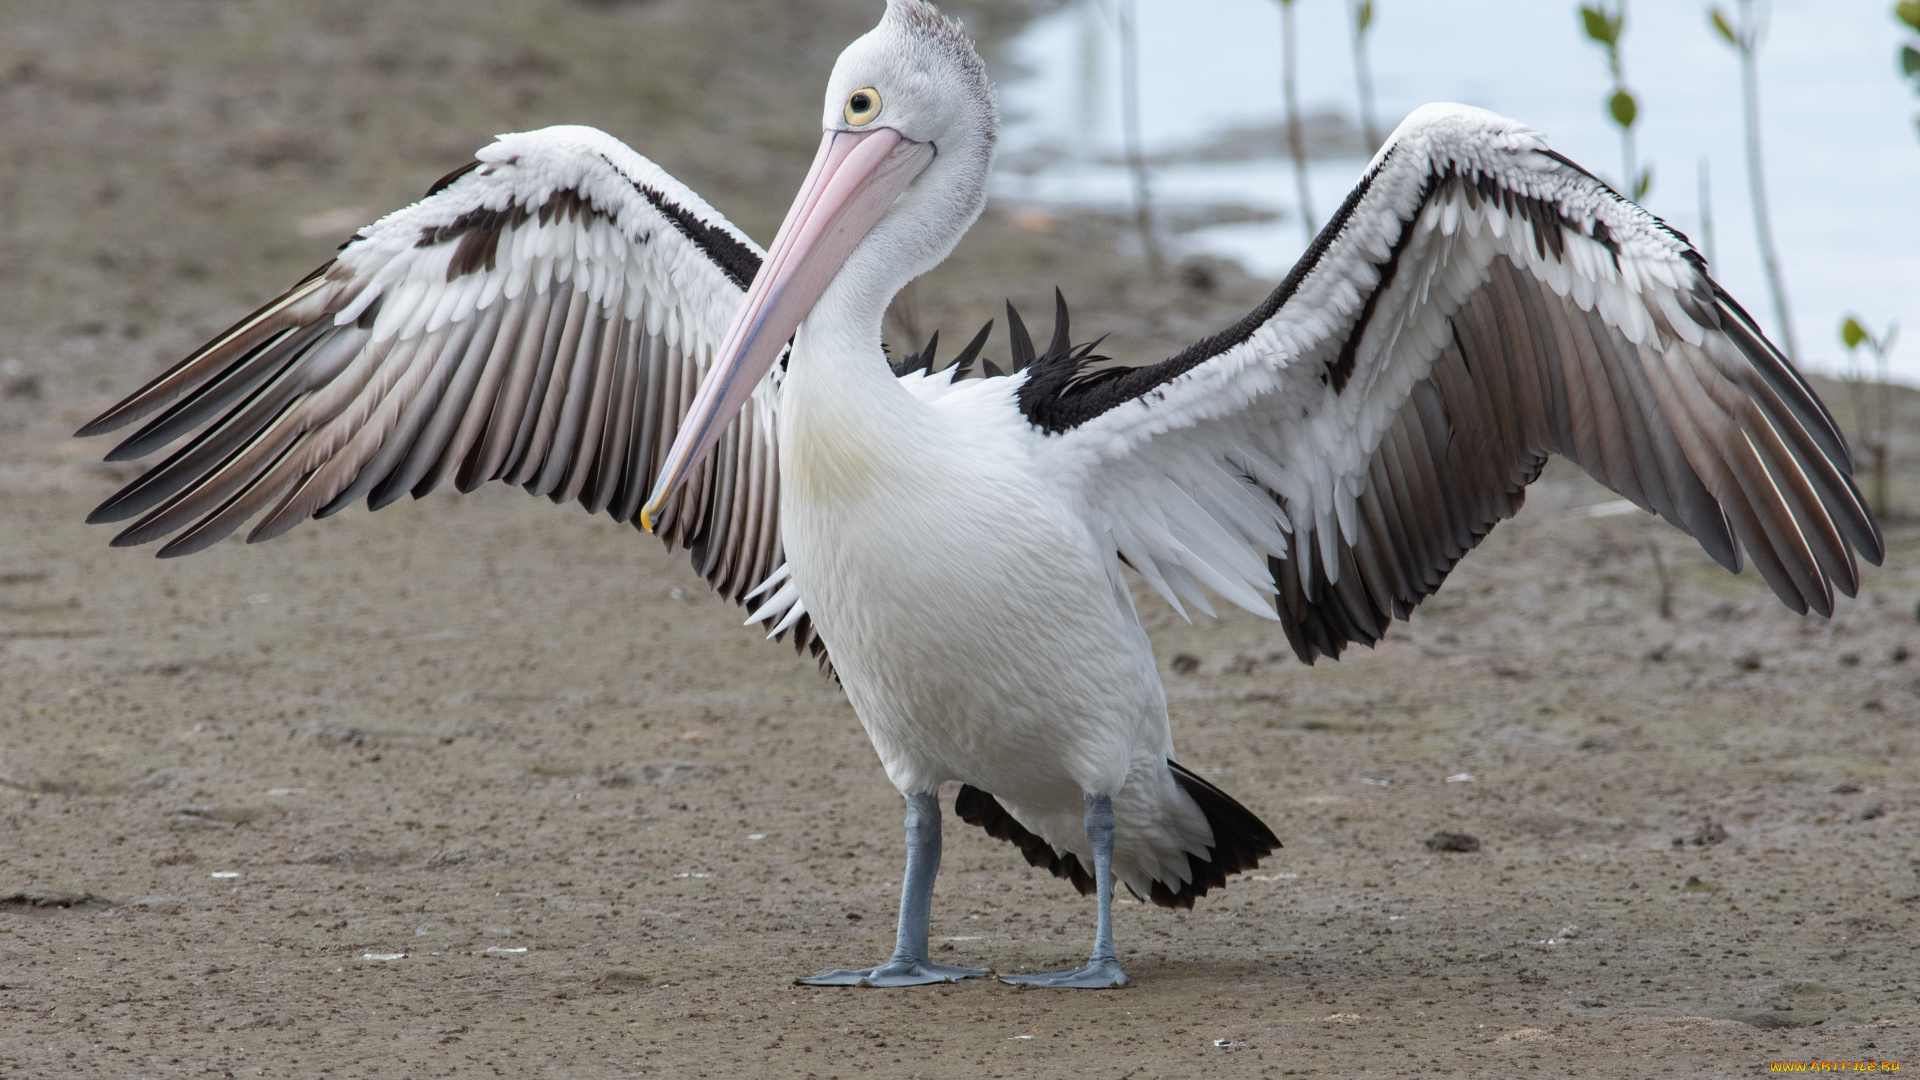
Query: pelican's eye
x: 863, y: 106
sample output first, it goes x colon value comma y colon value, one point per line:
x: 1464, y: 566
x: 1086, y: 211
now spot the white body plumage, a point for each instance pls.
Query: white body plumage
x: 982, y: 631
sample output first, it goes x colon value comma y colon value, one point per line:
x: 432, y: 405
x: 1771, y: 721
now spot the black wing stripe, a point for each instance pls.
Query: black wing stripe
x: 586, y: 482
x: 614, y: 461
x: 1780, y: 375
x: 571, y: 400
x: 735, y: 259
x: 272, y: 446
x: 650, y: 417
x: 1340, y: 369
x: 217, y: 525
x: 976, y: 807
x: 1055, y: 398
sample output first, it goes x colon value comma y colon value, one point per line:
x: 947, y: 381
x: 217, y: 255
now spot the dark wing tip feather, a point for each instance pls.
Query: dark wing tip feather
x: 208, y: 364
x: 104, y: 423
x: 191, y: 543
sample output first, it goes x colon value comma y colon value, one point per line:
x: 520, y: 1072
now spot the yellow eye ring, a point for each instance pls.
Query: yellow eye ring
x: 863, y: 106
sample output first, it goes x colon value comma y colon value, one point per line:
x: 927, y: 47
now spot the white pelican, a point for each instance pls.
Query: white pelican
x: 545, y: 314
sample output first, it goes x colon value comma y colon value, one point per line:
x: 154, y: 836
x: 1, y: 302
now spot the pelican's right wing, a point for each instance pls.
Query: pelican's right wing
x: 1478, y: 303
x: 542, y: 317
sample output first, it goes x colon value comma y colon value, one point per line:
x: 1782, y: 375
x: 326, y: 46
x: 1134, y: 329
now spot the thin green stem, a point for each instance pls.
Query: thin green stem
x: 1750, y: 33
x: 1363, y: 73
x: 1296, y: 144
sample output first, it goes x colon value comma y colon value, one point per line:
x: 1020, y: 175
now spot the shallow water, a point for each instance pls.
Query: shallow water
x: 1842, y: 150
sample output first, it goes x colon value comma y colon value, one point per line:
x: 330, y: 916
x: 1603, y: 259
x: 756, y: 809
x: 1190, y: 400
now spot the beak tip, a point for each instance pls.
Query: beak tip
x: 646, y: 517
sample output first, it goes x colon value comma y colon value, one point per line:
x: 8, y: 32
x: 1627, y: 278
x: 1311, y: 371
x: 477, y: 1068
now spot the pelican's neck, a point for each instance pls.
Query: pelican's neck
x: 836, y: 352
x: 850, y: 434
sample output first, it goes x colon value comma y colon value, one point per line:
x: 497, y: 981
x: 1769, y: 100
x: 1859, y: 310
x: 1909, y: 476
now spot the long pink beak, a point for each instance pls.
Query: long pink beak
x: 855, y: 179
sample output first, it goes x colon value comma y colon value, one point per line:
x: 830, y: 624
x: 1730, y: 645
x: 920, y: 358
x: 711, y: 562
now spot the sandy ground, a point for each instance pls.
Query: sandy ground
x: 607, y: 826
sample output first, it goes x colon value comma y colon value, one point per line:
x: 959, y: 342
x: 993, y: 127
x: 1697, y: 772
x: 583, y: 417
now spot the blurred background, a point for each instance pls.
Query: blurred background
x: 170, y: 165
x: 1840, y: 147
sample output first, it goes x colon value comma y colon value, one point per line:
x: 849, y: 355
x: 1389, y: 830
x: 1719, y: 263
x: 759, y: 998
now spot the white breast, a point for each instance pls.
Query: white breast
x: 980, y: 632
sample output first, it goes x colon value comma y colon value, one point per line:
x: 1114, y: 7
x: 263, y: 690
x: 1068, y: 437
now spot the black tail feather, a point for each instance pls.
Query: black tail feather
x: 1240, y: 840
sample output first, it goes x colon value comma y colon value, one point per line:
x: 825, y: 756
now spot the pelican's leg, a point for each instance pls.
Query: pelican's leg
x: 1103, y: 967
x: 910, y: 966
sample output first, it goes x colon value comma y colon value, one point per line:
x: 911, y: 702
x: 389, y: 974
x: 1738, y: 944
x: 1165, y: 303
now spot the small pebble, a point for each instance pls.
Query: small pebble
x: 1452, y: 841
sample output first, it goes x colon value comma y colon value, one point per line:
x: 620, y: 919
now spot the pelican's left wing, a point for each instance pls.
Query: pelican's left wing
x: 1477, y: 303
x: 543, y: 317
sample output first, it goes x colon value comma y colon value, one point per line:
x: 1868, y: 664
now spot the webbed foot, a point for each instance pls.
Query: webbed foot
x: 1097, y: 975
x: 894, y: 973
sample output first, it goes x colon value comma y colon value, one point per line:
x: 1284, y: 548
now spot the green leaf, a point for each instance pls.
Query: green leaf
x: 1909, y: 61
x: 1852, y: 333
x: 1598, y: 27
x: 1364, y: 17
x: 1721, y: 24
x: 1641, y: 186
x: 1908, y: 11
x: 1623, y: 109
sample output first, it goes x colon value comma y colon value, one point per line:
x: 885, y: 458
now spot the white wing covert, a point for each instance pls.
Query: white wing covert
x: 1477, y: 303
x: 542, y: 317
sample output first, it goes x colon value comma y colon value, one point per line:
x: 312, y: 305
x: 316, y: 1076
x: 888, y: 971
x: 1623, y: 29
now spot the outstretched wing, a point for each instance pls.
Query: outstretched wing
x: 1477, y: 303
x: 542, y: 317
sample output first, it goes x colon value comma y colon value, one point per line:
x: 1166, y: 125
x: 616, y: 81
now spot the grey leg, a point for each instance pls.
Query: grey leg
x: 1102, y: 970
x: 909, y: 965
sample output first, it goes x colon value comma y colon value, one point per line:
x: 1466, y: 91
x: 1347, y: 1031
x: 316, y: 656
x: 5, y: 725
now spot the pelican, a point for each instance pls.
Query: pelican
x: 562, y: 315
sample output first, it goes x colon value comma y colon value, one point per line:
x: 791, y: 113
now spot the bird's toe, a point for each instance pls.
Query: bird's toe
x: 1096, y: 975
x: 894, y: 973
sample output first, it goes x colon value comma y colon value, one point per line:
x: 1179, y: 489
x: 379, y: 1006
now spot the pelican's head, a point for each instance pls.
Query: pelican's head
x: 914, y: 78
x: 910, y: 124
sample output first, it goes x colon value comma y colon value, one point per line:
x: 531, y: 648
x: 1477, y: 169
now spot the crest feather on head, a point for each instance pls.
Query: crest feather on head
x: 923, y: 21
